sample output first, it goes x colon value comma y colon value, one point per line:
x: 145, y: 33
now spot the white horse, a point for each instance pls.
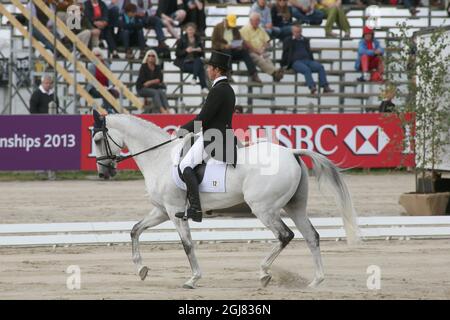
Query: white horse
x: 266, y: 195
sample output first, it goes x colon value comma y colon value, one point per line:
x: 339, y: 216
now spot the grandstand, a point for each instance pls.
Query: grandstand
x: 289, y: 95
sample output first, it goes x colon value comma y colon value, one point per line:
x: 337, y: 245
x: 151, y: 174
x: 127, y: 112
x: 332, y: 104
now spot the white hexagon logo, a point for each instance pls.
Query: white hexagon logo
x: 367, y: 140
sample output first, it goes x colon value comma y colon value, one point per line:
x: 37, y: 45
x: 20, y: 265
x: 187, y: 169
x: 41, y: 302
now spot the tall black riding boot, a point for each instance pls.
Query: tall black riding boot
x: 195, y: 209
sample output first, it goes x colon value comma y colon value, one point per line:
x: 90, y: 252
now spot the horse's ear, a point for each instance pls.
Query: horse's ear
x: 99, y: 120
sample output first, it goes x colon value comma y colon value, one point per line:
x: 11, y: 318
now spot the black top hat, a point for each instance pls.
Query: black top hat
x: 220, y: 60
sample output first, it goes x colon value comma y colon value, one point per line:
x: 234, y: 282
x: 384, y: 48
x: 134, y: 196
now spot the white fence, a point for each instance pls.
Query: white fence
x: 216, y: 230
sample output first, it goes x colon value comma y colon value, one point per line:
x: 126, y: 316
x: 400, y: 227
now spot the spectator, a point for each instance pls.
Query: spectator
x: 260, y: 6
x: 298, y: 56
x: 257, y: 40
x: 42, y: 96
x: 369, y: 57
x: 40, y: 15
x: 150, y: 82
x: 388, y: 95
x: 189, y: 53
x: 84, y: 34
x: 144, y: 12
x: 172, y: 14
x: 412, y: 6
x: 282, y: 19
x: 333, y: 11
x: 195, y: 13
x: 304, y: 11
x: 131, y: 30
x: 226, y: 38
x: 102, y: 80
x: 448, y: 9
x: 96, y: 13
x: 61, y: 12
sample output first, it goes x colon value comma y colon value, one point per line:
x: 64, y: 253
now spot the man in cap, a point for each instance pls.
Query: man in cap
x: 215, y: 117
x: 227, y: 39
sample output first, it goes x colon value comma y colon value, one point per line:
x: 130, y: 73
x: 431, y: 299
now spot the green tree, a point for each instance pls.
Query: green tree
x: 419, y: 68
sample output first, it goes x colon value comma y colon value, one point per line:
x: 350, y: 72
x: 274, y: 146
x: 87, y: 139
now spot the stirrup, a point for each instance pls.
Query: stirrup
x: 195, y: 216
x: 181, y: 215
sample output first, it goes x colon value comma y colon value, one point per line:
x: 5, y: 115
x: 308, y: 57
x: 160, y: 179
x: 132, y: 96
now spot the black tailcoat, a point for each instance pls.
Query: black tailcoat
x: 217, y: 113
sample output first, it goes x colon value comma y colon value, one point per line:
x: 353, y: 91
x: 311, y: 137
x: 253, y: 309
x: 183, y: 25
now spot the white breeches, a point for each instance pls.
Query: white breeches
x: 195, y: 155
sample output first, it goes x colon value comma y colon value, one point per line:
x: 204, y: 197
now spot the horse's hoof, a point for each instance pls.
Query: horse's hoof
x: 188, y: 286
x: 265, y: 280
x: 315, y: 283
x: 143, y: 271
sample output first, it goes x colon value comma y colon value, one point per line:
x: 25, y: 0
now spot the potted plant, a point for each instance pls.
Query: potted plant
x: 419, y: 65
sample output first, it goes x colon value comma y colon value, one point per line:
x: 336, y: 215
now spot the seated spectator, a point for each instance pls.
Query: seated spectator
x: 40, y: 15
x: 388, y: 95
x: 257, y: 41
x: 282, y: 19
x: 131, y: 30
x: 84, y: 34
x: 102, y: 80
x: 195, y: 13
x: 61, y: 12
x: 369, y: 57
x: 144, y: 12
x: 304, y: 11
x: 412, y: 6
x: 96, y: 13
x: 42, y: 96
x: 298, y: 56
x: 260, y: 6
x: 150, y: 82
x: 333, y: 11
x: 172, y: 14
x: 226, y: 38
x: 189, y: 53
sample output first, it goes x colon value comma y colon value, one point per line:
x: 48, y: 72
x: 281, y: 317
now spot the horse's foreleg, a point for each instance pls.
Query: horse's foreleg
x: 185, y: 235
x: 284, y: 235
x: 155, y: 217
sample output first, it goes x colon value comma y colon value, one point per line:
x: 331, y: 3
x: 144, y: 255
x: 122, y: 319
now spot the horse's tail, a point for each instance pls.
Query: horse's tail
x: 326, y: 171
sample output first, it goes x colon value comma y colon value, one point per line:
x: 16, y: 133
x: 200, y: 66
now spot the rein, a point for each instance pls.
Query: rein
x: 119, y: 158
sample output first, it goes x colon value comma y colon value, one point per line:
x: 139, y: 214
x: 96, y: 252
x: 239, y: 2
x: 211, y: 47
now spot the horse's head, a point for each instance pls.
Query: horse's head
x: 107, y: 146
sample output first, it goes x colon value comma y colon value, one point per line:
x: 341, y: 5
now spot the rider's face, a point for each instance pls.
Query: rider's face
x: 212, y: 72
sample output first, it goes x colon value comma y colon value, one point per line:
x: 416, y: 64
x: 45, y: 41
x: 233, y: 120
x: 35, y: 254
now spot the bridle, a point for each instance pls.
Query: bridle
x: 119, y: 158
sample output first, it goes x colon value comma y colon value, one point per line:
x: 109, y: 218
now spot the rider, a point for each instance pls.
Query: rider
x: 216, y: 113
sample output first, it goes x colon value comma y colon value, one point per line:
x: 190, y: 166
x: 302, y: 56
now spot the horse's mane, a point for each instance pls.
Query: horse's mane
x: 134, y: 126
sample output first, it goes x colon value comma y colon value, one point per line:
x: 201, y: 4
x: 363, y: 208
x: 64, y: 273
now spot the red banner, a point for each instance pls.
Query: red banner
x: 349, y: 140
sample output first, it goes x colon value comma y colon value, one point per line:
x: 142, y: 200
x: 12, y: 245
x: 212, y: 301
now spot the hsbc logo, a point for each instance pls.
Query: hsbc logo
x: 367, y: 140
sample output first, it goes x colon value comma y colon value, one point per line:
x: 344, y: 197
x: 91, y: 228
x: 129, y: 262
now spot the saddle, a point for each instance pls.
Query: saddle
x: 210, y: 175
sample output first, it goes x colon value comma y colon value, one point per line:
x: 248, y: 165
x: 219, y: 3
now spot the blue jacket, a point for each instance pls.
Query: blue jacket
x: 362, y: 50
x: 127, y: 23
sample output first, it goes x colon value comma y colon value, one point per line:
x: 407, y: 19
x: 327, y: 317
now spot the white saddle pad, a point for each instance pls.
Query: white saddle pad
x: 213, y: 180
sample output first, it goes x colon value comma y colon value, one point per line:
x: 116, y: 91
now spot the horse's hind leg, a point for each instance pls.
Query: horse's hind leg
x: 188, y: 245
x: 273, y: 222
x: 296, y: 209
x: 155, y: 217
